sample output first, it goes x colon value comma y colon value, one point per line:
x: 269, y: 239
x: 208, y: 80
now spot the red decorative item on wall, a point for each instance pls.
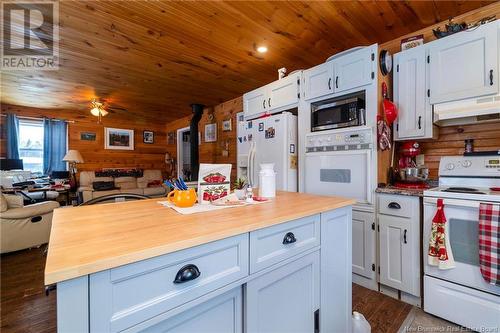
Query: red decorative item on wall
x: 390, y: 109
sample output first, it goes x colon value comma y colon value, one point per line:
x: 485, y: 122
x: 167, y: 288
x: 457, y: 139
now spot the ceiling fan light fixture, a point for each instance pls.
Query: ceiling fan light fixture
x: 98, y: 110
x: 262, y: 49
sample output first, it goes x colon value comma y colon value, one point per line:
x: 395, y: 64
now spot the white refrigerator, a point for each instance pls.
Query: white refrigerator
x: 271, y: 139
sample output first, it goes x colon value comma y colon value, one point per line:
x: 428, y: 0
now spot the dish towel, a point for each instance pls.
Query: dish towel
x: 489, y: 242
x: 439, y: 253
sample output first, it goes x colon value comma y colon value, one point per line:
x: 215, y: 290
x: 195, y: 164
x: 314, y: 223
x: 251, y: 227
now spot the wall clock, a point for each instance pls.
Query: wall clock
x: 385, y: 61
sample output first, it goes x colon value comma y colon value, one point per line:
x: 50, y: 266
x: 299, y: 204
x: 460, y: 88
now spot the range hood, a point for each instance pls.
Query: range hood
x: 468, y: 111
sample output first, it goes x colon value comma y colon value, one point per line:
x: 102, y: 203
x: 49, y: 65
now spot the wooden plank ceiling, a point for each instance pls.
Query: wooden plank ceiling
x: 155, y: 58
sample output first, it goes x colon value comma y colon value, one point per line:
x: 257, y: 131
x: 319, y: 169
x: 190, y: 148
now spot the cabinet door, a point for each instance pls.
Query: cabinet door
x: 285, y: 299
x: 398, y: 248
x: 354, y: 69
x: 410, y: 93
x: 363, y: 244
x: 464, y: 65
x: 318, y: 81
x: 222, y: 314
x: 284, y: 92
x: 255, y: 102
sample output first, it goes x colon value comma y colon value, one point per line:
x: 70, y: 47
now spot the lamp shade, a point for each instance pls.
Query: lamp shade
x: 73, y: 156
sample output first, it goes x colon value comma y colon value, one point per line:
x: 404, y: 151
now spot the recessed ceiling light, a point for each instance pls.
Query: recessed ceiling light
x: 262, y: 49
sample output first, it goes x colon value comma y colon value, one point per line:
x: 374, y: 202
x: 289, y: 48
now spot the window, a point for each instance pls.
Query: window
x: 31, y: 144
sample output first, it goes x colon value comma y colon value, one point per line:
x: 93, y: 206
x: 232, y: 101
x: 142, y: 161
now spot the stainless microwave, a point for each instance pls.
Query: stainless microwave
x: 338, y: 113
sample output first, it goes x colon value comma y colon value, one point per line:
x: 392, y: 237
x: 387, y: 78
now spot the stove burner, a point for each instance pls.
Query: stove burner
x: 463, y: 190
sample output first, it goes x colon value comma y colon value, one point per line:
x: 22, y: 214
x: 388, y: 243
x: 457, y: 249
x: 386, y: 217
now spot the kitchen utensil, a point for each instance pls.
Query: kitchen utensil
x: 390, y: 109
x: 183, y: 198
x: 414, y: 174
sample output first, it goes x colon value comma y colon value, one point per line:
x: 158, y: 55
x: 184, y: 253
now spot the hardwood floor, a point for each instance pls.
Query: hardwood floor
x: 384, y: 313
x: 25, y: 308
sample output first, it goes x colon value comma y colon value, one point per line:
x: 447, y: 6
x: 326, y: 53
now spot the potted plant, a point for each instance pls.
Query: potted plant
x: 239, y: 187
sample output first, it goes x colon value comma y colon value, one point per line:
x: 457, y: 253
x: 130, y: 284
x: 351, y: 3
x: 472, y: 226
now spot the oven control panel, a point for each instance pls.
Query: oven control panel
x: 348, y: 140
x: 469, y: 166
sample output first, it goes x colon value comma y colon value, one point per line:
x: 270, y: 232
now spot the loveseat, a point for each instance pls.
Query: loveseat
x: 21, y: 226
x: 149, y: 184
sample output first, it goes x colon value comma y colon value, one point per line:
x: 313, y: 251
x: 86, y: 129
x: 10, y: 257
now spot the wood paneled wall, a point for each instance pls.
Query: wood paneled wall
x: 145, y: 156
x: 212, y: 152
x: 451, y: 139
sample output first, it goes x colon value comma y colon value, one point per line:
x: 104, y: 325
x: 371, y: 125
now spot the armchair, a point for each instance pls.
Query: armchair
x: 22, y: 227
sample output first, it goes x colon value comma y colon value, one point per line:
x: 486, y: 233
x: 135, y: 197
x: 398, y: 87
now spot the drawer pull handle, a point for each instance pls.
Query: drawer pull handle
x: 289, y: 238
x: 394, y: 205
x: 187, y: 273
x: 491, y: 77
x: 404, y: 237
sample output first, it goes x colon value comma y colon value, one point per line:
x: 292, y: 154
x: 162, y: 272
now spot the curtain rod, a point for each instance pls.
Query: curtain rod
x: 35, y: 118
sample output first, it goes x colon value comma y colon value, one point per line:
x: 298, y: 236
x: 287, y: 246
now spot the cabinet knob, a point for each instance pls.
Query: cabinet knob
x: 394, y: 205
x: 289, y: 238
x: 187, y: 273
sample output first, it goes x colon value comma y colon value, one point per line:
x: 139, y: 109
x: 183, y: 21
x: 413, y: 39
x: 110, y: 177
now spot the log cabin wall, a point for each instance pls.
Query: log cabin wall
x: 213, y: 152
x: 144, y: 155
x: 451, y: 139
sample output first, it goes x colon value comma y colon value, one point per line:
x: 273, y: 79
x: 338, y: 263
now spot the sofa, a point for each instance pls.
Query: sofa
x: 149, y: 184
x: 22, y: 227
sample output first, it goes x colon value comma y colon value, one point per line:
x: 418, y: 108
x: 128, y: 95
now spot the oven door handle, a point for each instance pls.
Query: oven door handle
x: 453, y: 202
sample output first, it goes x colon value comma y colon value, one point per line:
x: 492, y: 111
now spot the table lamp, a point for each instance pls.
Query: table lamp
x: 73, y: 157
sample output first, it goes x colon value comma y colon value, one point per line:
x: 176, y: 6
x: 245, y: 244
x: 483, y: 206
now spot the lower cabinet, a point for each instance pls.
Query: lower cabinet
x: 363, y: 244
x: 399, y: 236
x: 222, y: 314
x: 285, y: 299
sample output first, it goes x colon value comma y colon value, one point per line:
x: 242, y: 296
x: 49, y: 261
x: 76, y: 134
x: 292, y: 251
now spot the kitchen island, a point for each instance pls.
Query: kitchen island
x: 283, y: 265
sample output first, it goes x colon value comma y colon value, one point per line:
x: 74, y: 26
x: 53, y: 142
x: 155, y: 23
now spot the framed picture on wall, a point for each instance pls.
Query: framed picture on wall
x: 119, y: 139
x: 87, y: 136
x: 148, y: 136
x: 226, y: 125
x: 171, y: 138
x: 211, y: 132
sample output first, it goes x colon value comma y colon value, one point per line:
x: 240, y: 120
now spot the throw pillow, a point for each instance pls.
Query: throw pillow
x: 104, y: 186
x: 3, y: 203
x: 154, y: 183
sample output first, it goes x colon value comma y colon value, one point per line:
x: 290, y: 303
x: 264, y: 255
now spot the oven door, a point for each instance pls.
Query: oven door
x: 463, y: 219
x: 341, y: 173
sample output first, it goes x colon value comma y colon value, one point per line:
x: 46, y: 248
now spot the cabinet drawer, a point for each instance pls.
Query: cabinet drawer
x: 124, y: 296
x: 274, y: 244
x: 397, y: 205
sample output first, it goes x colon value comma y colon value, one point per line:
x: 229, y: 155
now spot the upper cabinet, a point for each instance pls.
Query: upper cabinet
x: 464, y: 65
x: 354, y: 69
x: 274, y: 97
x: 318, y: 81
x: 349, y: 70
x: 410, y: 96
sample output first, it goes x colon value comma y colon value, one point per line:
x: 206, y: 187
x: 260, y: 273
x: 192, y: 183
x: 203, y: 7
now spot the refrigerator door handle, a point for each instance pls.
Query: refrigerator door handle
x: 254, y: 151
x: 250, y: 164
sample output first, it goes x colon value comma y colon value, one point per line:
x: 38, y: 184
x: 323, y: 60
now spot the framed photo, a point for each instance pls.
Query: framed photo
x: 227, y: 125
x: 148, y: 136
x: 412, y: 42
x: 119, y: 139
x: 87, y: 136
x: 171, y: 138
x: 210, y: 132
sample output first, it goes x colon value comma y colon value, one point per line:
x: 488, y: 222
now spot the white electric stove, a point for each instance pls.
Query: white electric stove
x: 461, y: 295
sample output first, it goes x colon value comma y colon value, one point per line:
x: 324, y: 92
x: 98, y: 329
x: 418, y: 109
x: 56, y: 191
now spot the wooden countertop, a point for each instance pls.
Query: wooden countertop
x: 90, y: 239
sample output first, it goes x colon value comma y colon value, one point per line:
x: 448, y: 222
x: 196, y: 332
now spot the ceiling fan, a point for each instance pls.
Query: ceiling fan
x: 102, y: 108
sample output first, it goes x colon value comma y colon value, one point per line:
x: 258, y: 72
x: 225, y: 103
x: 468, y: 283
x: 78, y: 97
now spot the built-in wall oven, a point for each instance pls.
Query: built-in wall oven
x: 340, y: 164
x: 341, y: 112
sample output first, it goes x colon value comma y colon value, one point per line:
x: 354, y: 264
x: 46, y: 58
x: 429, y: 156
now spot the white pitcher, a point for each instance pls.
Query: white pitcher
x: 267, y: 181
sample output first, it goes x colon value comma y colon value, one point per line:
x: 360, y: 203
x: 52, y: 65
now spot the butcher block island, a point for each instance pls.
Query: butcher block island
x: 137, y: 266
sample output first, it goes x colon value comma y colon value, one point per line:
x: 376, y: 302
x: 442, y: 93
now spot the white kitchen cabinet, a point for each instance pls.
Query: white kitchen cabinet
x: 363, y: 244
x: 355, y: 69
x: 276, y: 96
x: 285, y: 299
x: 399, y: 242
x: 222, y: 314
x: 464, y: 65
x: 254, y: 102
x: 410, y: 85
x: 318, y: 81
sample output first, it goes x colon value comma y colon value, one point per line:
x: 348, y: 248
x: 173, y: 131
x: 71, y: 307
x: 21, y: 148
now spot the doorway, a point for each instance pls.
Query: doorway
x: 184, y: 153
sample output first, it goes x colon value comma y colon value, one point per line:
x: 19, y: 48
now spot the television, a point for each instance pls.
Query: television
x: 11, y: 164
